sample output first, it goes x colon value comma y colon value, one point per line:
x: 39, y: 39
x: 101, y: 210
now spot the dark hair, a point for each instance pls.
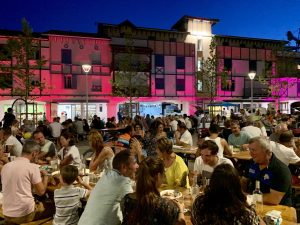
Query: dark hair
x: 146, y: 187
x: 128, y: 129
x: 286, y: 136
x: 224, y: 200
x: 68, y: 135
x: 36, y: 132
x: 7, y: 131
x: 123, y: 157
x: 69, y: 173
x: 214, y: 128
x: 211, y: 145
x: 181, y: 125
x: 165, y: 145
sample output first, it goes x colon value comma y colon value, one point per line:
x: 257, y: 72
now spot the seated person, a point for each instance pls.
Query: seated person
x: 176, y: 169
x: 238, y: 138
x: 183, y: 136
x: 13, y: 145
x: 206, y: 163
x: 274, y: 176
x: 124, y: 139
x: 159, y: 210
x: 48, y: 148
x: 18, y: 177
x: 69, y: 153
x: 67, y: 198
x: 223, y: 202
x: 102, y: 156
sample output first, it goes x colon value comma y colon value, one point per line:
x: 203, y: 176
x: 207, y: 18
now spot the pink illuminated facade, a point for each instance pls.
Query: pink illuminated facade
x: 172, y: 58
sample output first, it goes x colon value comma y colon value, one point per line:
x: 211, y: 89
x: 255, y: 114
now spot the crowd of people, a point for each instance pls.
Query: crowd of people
x: 137, y: 160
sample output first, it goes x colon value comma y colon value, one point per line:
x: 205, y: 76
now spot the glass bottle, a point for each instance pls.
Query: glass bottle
x: 258, y: 197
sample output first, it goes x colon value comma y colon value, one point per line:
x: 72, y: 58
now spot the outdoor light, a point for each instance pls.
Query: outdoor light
x: 86, y: 68
x: 251, y: 76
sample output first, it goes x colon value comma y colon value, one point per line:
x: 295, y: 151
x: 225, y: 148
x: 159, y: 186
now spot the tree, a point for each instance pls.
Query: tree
x: 131, y: 73
x: 278, y: 76
x: 25, y: 58
x: 210, y: 72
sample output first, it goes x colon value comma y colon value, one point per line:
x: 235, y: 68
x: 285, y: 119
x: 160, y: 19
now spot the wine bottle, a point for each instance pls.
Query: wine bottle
x: 258, y: 197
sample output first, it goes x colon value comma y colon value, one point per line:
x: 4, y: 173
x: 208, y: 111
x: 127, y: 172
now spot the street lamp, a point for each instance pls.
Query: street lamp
x: 86, y: 68
x: 251, y: 76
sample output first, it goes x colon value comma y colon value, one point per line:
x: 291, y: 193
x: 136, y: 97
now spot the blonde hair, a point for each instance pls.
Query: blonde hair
x: 96, y: 141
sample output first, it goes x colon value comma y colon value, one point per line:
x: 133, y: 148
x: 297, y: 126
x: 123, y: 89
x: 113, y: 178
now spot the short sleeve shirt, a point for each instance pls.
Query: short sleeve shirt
x: 276, y: 176
x: 17, y: 179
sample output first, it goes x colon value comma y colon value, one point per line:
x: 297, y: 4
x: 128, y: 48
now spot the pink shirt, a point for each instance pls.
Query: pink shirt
x: 18, y: 177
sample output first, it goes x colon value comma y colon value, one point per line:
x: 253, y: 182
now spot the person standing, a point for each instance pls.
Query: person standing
x: 8, y: 118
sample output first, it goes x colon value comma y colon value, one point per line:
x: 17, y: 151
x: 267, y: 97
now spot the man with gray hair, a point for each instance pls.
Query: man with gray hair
x: 273, y: 175
x: 279, y: 129
x: 18, y: 177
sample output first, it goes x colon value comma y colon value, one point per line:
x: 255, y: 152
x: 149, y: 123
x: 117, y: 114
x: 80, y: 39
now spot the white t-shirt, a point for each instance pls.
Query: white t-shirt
x: 252, y: 131
x: 55, y: 129
x: 73, y: 150
x: 17, y: 146
x: 186, y: 137
x: 173, y: 125
x: 284, y: 154
x: 206, y: 170
x: 218, y: 142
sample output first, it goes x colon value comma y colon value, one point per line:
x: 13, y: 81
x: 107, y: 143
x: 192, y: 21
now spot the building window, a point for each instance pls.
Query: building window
x: 70, y: 81
x: 172, y: 39
x: 252, y: 65
x: 6, y: 80
x: 180, y: 62
x: 152, y: 38
x: 97, y: 85
x: 180, y: 85
x: 227, y: 64
x: 298, y: 86
x: 66, y: 56
x: 228, y: 85
x: 4, y: 53
x: 159, y: 83
x: 199, y: 86
x: 159, y: 60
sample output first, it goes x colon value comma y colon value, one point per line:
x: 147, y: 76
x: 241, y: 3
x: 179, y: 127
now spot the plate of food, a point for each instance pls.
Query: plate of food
x: 172, y: 194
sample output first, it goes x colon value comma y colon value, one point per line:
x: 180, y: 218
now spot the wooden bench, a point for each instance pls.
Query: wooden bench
x: 46, y: 221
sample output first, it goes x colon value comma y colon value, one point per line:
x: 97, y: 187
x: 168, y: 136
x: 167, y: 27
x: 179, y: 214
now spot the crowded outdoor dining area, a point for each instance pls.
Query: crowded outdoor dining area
x: 240, y: 169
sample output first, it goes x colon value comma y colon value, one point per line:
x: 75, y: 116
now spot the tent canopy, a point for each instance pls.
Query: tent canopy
x: 223, y: 104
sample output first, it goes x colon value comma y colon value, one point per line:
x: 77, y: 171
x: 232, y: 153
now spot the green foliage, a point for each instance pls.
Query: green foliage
x: 131, y: 78
x: 285, y: 66
x: 23, y: 58
x: 209, y: 72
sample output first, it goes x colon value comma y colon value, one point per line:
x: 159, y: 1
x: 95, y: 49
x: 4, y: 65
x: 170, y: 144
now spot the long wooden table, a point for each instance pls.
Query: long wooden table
x: 185, y: 152
x: 288, y: 214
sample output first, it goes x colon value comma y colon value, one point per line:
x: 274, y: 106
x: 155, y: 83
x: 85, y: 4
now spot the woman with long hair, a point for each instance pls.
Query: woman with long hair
x: 103, y: 155
x: 223, y: 202
x: 175, y: 168
x: 69, y: 153
x: 146, y: 206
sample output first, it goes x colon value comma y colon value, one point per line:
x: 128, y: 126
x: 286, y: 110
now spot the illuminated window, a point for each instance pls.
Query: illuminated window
x: 159, y: 83
x: 180, y: 85
x: 199, y: 85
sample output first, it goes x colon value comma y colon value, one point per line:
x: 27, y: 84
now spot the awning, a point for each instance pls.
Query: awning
x: 223, y: 104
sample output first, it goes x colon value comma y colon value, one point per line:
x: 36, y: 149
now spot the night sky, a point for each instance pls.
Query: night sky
x: 269, y: 19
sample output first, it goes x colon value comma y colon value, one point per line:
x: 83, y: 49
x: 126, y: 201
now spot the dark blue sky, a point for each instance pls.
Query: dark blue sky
x: 256, y: 18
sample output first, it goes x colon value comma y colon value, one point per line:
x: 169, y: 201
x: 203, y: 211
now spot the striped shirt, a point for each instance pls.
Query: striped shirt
x: 67, y: 202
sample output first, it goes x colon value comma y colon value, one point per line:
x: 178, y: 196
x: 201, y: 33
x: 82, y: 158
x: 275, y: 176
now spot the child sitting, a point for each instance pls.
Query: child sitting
x: 67, y: 198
